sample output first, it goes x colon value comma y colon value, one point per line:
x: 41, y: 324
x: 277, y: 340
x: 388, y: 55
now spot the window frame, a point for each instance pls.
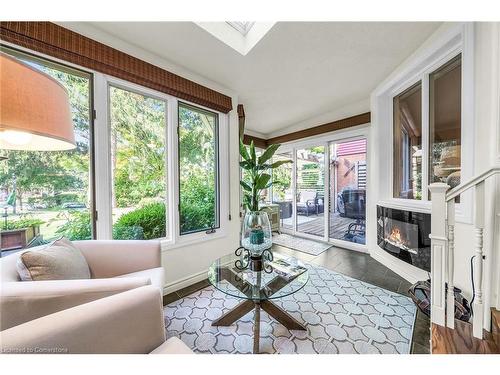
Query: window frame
x: 139, y: 90
x: 101, y: 129
x: 217, y: 169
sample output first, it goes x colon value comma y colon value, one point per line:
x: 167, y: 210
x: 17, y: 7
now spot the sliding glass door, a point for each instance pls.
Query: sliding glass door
x: 322, y: 195
x: 310, y: 191
x: 348, y: 191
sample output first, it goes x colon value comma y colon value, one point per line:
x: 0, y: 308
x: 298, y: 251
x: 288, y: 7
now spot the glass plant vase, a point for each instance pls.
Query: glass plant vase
x: 256, y: 234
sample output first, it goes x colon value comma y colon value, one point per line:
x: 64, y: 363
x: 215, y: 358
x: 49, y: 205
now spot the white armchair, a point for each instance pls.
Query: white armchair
x: 99, y: 327
x: 115, y: 266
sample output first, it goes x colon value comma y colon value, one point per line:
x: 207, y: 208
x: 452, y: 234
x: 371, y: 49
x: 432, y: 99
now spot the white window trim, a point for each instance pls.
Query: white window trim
x: 102, y: 169
x: 456, y: 40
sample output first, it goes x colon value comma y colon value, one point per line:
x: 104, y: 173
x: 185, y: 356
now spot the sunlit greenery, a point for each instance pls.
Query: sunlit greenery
x: 198, y: 169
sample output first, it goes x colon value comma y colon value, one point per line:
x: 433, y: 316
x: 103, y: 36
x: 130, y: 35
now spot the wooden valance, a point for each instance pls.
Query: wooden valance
x: 61, y: 43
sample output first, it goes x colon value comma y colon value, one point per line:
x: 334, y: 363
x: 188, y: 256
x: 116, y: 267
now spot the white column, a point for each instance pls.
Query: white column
x: 450, y: 298
x: 439, y: 242
x: 477, y: 322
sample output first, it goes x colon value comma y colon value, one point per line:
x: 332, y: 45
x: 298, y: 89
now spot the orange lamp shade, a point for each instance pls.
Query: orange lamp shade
x: 34, y: 109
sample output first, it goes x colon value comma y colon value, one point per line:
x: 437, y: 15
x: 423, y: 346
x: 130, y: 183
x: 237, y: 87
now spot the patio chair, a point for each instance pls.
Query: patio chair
x: 307, y: 203
x: 354, y: 204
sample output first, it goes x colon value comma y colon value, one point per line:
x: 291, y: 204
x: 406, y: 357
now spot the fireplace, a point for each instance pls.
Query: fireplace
x: 405, y: 235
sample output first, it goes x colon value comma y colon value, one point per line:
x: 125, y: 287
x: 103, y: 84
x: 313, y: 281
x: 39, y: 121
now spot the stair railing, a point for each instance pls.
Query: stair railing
x: 443, y: 250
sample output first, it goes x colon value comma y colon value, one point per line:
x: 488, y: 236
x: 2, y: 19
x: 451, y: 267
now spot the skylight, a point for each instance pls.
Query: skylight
x: 243, y: 27
x: 240, y: 36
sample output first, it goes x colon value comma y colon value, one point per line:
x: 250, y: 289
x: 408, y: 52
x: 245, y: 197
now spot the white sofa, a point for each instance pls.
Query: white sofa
x: 115, y: 266
x: 131, y: 322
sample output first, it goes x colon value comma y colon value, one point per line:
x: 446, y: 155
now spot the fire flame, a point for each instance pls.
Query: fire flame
x: 396, y: 236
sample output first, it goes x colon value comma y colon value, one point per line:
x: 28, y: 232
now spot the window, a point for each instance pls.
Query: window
x: 146, y: 169
x: 198, y: 170
x: 445, y: 123
x: 138, y: 165
x: 46, y: 195
x: 241, y: 26
x: 437, y: 146
x: 408, y: 143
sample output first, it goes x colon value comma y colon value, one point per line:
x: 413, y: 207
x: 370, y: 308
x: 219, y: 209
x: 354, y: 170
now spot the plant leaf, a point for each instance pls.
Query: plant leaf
x: 276, y: 164
x: 244, y: 151
x: 252, y: 152
x: 269, y: 153
x: 246, y: 165
x: 262, y: 181
x: 245, y: 186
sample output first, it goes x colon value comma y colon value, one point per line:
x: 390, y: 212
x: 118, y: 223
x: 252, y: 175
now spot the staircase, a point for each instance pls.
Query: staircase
x: 444, y: 325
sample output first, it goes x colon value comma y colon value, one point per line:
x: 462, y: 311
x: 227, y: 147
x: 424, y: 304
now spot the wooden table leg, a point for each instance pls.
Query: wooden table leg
x: 234, y: 314
x: 282, y: 316
x: 256, y: 329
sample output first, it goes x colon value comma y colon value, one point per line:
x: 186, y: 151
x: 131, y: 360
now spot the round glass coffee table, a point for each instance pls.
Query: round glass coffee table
x: 257, y: 281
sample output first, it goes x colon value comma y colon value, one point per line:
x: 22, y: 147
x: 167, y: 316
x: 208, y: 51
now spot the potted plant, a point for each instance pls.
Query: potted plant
x: 256, y: 234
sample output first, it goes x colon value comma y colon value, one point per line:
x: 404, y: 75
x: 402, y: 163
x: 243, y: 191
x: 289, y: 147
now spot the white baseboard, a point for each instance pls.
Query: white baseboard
x: 406, y: 271
x: 184, y: 282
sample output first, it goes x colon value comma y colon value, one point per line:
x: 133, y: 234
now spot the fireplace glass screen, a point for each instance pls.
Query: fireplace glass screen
x: 405, y: 235
x: 400, y: 236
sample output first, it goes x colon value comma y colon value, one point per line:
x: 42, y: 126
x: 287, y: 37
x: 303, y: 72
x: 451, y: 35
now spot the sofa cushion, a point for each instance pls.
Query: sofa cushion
x: 172, y: 346
x: 60, y: 260
x: 155, y: 275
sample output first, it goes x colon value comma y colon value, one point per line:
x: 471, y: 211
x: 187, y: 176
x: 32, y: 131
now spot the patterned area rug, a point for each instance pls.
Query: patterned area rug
x: 300, y: 244
x: 342, y: 315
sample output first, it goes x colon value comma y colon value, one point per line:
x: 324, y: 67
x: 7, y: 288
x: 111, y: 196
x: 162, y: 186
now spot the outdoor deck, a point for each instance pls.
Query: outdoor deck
x: 315, y: 225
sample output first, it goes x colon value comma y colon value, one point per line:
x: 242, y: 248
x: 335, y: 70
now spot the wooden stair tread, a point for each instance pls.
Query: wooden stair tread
x: 495, y: 326
x: 460, y: 340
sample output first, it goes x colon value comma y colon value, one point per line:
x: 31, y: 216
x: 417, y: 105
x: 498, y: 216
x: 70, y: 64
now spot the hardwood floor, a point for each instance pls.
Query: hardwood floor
x: 461, y: 341
x: 354, y: 264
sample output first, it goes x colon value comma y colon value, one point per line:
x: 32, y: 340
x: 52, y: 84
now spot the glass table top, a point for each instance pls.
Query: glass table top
x: 239, y: 276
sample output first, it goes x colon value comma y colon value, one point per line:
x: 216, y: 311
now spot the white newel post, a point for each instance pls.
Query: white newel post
x: 439, y: 242
x: 450, y: 300
x: 477, y: 321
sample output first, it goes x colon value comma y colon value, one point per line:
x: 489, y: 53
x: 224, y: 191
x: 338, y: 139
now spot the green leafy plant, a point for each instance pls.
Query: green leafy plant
x: 77, y: 226
x: 151, y: 218
x: 21, y: 223
x: 257, y: 177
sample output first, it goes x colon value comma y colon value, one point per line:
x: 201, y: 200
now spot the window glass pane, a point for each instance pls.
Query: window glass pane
x: 348, y: 191
x: 46, y: 195
x: 198, y: 169
x: 445, y: 123
x: 282, y: 189
x: 407, y: 173
x: 311, y: 190
x: 138, y: 164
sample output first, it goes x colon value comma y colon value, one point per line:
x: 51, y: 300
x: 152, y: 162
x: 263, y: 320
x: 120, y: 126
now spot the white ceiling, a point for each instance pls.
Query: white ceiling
x: 298, y: 71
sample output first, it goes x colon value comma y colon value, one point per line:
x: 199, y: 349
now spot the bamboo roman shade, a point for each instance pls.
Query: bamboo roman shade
x: 56, y: 41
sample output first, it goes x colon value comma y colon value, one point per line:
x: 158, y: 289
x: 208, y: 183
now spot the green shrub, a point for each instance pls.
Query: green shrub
x: 128, y: 233
x: 77, y: 226
x: 21, y: 223
x: 151, y: 218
